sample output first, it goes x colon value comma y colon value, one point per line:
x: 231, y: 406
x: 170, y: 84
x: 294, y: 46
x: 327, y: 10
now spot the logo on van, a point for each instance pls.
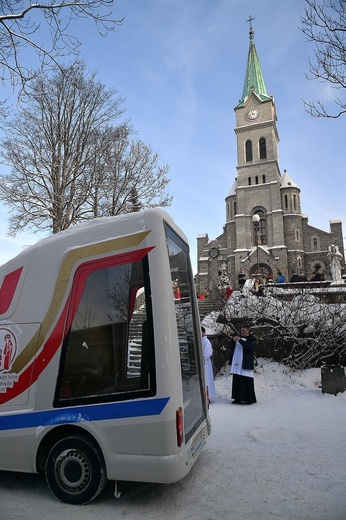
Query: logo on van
x: 8, y: 352
x: 8, y: 349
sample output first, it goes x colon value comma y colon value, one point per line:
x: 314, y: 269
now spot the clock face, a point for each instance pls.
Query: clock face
x: 214, y: 252
x: 253, y: 114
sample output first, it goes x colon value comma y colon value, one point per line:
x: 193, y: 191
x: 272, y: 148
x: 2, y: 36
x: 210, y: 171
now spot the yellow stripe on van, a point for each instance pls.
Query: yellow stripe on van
x: 68, y: 264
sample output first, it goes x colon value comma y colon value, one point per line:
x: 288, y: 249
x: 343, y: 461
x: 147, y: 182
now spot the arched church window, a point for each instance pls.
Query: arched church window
x: 262, y: 148
x: 248, y: 151
x: 256, y: 179
x: 315, y: 243
x: 249, y: 181
x: 262, y: 231
x: 260, y: 228
x: 264, y: 180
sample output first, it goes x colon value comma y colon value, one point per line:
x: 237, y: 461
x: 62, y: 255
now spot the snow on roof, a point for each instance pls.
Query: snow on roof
x: 232, y: 191
x: 287, y: 182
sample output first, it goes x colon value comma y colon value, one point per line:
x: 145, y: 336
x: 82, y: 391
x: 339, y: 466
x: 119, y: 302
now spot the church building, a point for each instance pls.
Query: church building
x: 265, y: 230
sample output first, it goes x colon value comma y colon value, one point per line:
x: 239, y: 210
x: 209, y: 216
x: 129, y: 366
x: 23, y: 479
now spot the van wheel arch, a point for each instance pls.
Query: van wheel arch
x: 52, y: 437
x: 75, y: 469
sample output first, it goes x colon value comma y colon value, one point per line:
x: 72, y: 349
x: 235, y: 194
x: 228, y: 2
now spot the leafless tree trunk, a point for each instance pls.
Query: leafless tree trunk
x: 324, y: 23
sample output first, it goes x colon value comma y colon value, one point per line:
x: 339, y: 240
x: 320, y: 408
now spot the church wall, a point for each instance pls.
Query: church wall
x: 295, y: 263
x: 293, y: 226
x: 222, y: 239
x: 278, y: 229
x: 230, y: 233
x: 242, y: 232
x: 294, y: 243
x: 313, y: 235
x: 316, y: 246
x: 267, y: 111
x: 336, y: 230
x: 202, y: 240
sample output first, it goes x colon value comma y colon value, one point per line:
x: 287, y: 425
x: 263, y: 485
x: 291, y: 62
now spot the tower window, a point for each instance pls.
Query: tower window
x: 264, y: 180
x: 249, y: 181
x: 256, y: 179
x: 295, y: 202
x: 262, y: 148
x: 286, y: 202
x: 248, y: 151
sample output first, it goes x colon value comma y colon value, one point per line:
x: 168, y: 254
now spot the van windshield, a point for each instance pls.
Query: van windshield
x: 182, y: 280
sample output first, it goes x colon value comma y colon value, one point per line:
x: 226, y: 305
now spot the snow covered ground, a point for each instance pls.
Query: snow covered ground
x: 282, y: 458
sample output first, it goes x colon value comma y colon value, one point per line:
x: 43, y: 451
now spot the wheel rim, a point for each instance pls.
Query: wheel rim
x: 73, y: 471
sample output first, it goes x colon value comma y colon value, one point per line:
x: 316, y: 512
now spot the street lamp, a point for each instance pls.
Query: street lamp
x: 256, y: 219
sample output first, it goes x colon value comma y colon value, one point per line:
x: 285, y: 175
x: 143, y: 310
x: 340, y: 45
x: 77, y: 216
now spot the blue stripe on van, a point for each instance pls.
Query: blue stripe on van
x: 77, y: 414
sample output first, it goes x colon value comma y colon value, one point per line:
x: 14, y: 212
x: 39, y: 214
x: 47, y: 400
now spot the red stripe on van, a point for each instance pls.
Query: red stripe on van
x: 8, y: 289
x: 53, y: 342
x: 31, y: 373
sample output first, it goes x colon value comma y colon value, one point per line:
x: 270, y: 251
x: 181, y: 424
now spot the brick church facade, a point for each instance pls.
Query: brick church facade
x: 281, y: 237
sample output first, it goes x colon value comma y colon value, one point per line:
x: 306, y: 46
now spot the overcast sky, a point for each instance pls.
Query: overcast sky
x: 181, y: 66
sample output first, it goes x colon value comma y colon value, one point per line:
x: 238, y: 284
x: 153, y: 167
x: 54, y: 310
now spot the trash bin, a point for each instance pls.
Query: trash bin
x: 333, y: 379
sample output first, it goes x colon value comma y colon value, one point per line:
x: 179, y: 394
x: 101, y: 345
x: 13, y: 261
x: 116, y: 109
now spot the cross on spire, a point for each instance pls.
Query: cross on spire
x: 249, y: 21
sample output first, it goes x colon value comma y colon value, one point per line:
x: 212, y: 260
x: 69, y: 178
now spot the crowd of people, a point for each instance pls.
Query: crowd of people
x: 260, y: 279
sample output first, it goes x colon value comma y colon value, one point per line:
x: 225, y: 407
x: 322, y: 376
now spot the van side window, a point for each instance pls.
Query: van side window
x: 108, y: 352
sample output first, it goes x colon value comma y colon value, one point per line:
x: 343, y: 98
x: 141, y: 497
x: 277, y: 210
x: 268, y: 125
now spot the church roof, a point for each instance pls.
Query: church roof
x: 232, y: 191
x: 287, y: 182
x: 254, y: 81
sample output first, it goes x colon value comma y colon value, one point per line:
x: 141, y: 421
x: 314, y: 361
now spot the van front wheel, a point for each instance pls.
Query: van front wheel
x: 75, y: 470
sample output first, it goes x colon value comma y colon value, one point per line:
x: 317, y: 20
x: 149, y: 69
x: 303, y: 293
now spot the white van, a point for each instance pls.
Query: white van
x: 101, y: 365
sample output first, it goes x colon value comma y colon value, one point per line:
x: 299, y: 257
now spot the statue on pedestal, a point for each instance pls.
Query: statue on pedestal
x: 335, y: 263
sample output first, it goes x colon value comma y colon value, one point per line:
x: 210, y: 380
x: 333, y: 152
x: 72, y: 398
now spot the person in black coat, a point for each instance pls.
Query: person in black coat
x: 295, y: 278
x: 242, y: 367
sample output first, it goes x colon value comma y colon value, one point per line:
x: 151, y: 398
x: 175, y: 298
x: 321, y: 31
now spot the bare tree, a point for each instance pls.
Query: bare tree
x: 128, y: 176
x: 296, y: 328
x: 324, y: 23
x: 25, y: 24
x: 68, y: 163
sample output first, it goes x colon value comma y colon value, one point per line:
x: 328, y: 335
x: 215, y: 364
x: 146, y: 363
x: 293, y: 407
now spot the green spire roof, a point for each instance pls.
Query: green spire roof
x: 254, y: 81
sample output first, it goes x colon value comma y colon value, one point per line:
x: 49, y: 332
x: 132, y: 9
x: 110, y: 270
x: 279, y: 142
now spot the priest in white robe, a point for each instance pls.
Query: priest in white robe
x: 242, y: 367
x: 209, y: 374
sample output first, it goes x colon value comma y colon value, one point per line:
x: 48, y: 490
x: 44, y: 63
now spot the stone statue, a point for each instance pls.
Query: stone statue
x: 335, y: 265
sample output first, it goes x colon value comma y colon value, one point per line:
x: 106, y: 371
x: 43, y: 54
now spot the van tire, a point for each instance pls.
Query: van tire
x: 75, y: 470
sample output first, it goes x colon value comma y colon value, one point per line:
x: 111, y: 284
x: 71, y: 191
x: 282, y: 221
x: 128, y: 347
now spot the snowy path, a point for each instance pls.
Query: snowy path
x: 282, y: 458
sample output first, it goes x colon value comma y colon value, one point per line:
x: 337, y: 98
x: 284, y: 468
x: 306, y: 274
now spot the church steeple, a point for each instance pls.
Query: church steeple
x: 254, y: 81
